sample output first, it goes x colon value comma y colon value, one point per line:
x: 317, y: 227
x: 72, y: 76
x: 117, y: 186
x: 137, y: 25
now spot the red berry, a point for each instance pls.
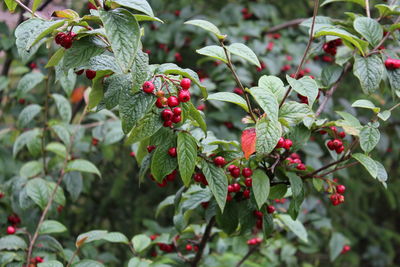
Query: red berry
x: 21, y: 101
x: 33, y: 65
x: 201, y: 107
x: 295, y: 156
x: 132, y: 154
x: 301, y: 167
x: 246, y: 193
x: 10, y: 230
x: 330, y: 145
x: 176, y: 119
x: 231, y: 189
x: 235, y: 172
x: 79, y: 72
x: 219, y: 161
x: 178, y: 57
x: 270, y: 209
x: 204, y: 204
x: 39, y: 259
x: 150, y: 148
x: 247, y: 172
x: 345, y: 249
x: 167, y: 123
x: 184, y: 96
x: 59, y: 37
x: 229, y: 198
x: 161, y: 102
x: 1, y: 195
x: 185, y: 83
x: 340, y: 189
x: 90, y: 74
x: 148, y: 87
x: 163, y: 183
x: 236, y: 187
x: 333, y: 128
x: 189, y: 247
x: 173, y: 101
x: 177, y: 111
x: 248, y: 182
x: 339, y: 149
x: 172, y: 152
x: 167, y: 114
x: 171, y: 177
x: 337, y: 143
x: 288, y: 144
x: 281, y: 142
x: 66, y: 42
x: 342, y: 134
x: 258, y: 214
x: 238, y: 91
x: 95, y: 141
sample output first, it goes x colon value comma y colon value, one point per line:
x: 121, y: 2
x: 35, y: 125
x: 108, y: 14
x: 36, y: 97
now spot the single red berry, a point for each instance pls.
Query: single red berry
x: 189, y: 247
x: 185, y: 83
x: 95, y: 141
x: 21, y: 101
x: 246, y: 193
x: 247, y: 172
x: 184, y: 96
x: 39, y: 259
x: 177, y: 13
x: 91, y: 6
x: 270, y: 209
x: 178, y: 57
x: 235, y: 172
x: 204, y: 204
x: 251, y: 242
x: 90, y: 74
x: 148, y: 87
x: 79, y: 72
x: 201, y: 107
x: 337, y: 143
x: 231, y: 167
x: 11, y: 230
x: 339, y: 149
x: 173, y: 101
x: 248, y: 182
x: 231, y: 189
x: 301, y: 167
x: 177, y: 111
x: 288, y: 144
x: 172, y: 152
x: 297, y: 161
x: 258, y: 214
x: 333, y: 128
x: 132, y: 154
x: 236, y: 187
x: 340, y: 189
x: 176, y: 119
x: 199, y: 177
x: 1, y: 195
x: 342, y: 134
x: 66, y: 42
x: 167, y: 114
x: 330, y: 145
x: 295, y: 156
x: 259, y: 225
x: 167, y: 123
x: 345, y: 249
x: 229, y: 198
x: 33, y: 65
x: 163, y: 183
x: 59, y: 37
x: 281, y: 142
x: 150, y: 148
x: 238, y: 91
x: 161, y: 102
x: 171, y: 177
x: 219, y: 161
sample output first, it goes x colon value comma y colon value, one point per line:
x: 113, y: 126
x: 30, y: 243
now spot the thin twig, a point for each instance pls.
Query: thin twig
x: 312, y: 174
x: 303, y: 59
x: 45, y: 125
x: 27, y: 9
x: 252, y: 250
x: 285, y: 25
x: 338, y: 168
x: 367, y: 8
x: 203, y: 242
x: 73, y: 257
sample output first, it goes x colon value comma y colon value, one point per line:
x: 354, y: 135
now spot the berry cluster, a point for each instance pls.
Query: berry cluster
x: 169, y: 178
x: 172, y: 114
x: 254, y: 241
x: 65, y: 39
x: 284, y: 143
x: 36, y: 260
x: 335, y: 144
x: 90, y: 74
x: 294, y: 158
x: 235, y: 187
x: 246, y: 14
x: 337, y: 198
x: 392, y: 63
x: 259, y: 215
x: 331, y: 46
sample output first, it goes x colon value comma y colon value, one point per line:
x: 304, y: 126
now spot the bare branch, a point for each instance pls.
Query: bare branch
x: 203, y: 242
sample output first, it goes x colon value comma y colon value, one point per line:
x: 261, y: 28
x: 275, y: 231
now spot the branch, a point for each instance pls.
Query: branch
x: 27, y: 9
x: 249, y: 253
x: 45, y: 127
x: 367, y: 8
x: 338, y: 168
x: 310, y: 175
x: 239, y: 83
x: 203, y: 242
x: 383, y: 39
x: 285, y: 25
x: 329, y: 94
x: 303, y: 59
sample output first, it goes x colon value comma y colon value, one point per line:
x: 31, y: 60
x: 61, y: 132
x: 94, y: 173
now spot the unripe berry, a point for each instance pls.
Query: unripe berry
x: 184, y: 96
x: 173, y: 101
x: 11, y: 230
x: 248, y: 182
x: 172, y: 152
x: 176, y: 119
x: 160, y: 93
x: 148, y: 87
x: 167, y: 114
x: 90, y: 74
x: 340, y: 189
x: 219, y: 161
x: 177, y: 111
x: 189, y: 247
x: 185, y: 83
x: 247, y: 172
x: 270, y: 209
x: 161, y: 102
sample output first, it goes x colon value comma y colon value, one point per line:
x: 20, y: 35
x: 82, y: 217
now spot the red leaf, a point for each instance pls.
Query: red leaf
x: 249, y: 142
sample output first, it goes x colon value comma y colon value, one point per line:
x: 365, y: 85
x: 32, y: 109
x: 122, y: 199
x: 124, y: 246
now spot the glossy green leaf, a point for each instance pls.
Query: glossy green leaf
x: 28, y: 114
x: 273, y: 84
x: 369, y: 138
x: 217, y: 181
x: 260, y: 187
x: 229, y: 97
x: 267, y: 101
x: 139, y: 5
x: 145, y: 128
x: 268, y: 133
x: 12, y: 242
x: 187, y: 156
x: 305, y: 86
x: 63, y: 107
x: 141, y: 242
x: 82, y: 165
x: 295, y: 226
x: 370, y: 29
x: 368, y: 163
x: 51, y: 227
x: 206, y: 25
x: 213, y: 51
x: 369, y: 71
x: 244, y: 52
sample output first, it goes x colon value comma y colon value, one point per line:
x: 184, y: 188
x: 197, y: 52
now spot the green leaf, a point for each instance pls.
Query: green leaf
x: 62, y: 132
x: 67, y: 79
x: 382, y: 174
x: 336, y: 244
x: 345, y: 35
x: 370, y: 29
x: 350, y: 124
x: 114, y: 86
x: 11, y: 5
x: 305, y: 87
x: 137, y: 262
x: 187, y: 156
x: 139, y: 5
x: 268, y: 133
x: 362, y: 103
x: 82, y: 51
x: 28, y: 114
x: 140, y: 18
x: 63, y: 107
x: 292, y: 113
x: 140, y: 70
x: 206, y: 25
x: 368, y: 163
x: 217, y: 181
x: 296, y: 185
x: 394, y: 80
x: 90, y: 236
x: 50, y: 263
x: 31, y: 169
x: 360, y: 2
x: 228, y: 220
x: 295, y: 226
x: 244, y: 52
x: 12, y: 242
x: 55, y: 58
x: 369, y: 138
x: 24, y: 139
x: 213, y: 51
x: 229, y: 97
x: 37, y: 190
x: 330, y: 75
x: 196, y: 115
x: 50, y: 28
x: 260, y: 187
x: 36, y: 4
x: 82, y: 165
x: 102, y: 62
x: 116, y: 237
x: 162, y: 163
x: 73, y: 184
x: 57, y: 148
x: 384, y: 115
x: 88, y: 263
x: 59, y: 197
x: 267, y: 101
x: 123, y: 32
x: 51, y: 227
x: 273, y: 84
x: 369, y: 70
x: 144, y: 128
x: 28, y: 82
x: 141, y: 242
x: 385, y: 10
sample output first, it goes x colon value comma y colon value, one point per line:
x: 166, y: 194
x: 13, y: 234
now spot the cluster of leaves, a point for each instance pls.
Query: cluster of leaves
x: 208, y: 217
